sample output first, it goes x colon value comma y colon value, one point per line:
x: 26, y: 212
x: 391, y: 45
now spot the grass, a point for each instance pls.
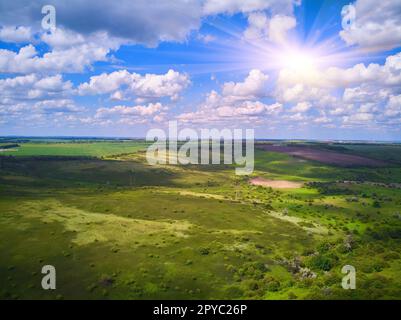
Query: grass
x: 88, y: 149
x: 115, y: 227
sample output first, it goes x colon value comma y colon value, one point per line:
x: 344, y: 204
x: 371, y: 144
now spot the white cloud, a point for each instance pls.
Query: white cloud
x: 141, y: 21
x: 393, y: 107
x: 170, y: 85
x: 301, y: 107
x: 238, y: 101
x: 248, y: 108
x: 234, y: 6
x: 254, y: 86
x: 105, y: 82
x: 297, y: 117
x: 130, y: 112
x: 35, y: 100
x: 56, y: 105
x: 43, y: 109
x: 279, y: 26
x: 363, y: 94
x: 33, y: 87
x: 148, y: 86
x: 358, y: 118
x: 341, y: 111
x: 389, y: 73
x: 60, y: 38
x: 377, y: 24
x: 15, y: 34
x: 322, y: 120
x: 361, y: 83
x: 258, y: 26
x: 73, y: 59
x: 275, y: 29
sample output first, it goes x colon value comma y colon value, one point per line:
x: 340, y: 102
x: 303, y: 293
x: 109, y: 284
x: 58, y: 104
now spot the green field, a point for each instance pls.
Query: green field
x: 88, y: 149
x: 116, y: 228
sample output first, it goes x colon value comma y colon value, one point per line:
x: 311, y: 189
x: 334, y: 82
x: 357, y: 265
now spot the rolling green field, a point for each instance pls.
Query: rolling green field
x: 116, y: 228
x: 88, y: 149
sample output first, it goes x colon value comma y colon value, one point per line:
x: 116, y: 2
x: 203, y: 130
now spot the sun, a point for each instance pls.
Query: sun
x: 297, y: 60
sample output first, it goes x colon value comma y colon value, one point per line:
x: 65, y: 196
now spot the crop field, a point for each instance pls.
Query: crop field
x: 326, y: 156
x: 115, y: 227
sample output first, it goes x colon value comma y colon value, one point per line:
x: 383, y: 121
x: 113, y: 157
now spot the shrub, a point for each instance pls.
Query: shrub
x: 204, y: 251
x: 322, y: 262
x: 376, y: 204
x: 272, y: 284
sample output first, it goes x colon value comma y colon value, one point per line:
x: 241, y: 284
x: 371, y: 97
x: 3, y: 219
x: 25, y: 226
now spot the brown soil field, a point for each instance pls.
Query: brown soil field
x: 325, y: 156
x: 278, y: 184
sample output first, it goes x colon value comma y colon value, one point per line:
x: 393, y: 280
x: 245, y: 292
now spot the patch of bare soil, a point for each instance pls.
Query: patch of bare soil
x: 325, y: 156
x: 277, y: 184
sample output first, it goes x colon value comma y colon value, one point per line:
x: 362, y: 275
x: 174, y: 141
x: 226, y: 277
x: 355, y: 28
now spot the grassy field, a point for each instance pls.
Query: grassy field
x: 89, y: 149
x: 115, y: 227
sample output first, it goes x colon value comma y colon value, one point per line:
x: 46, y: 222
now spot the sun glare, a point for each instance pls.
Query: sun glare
x: 297, y: 60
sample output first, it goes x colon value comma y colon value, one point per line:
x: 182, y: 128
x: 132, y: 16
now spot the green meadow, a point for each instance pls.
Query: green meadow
x: 116, y: 228
x: 79, y: 148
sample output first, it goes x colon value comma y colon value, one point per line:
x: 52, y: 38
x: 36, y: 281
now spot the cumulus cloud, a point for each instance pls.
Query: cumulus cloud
x: 358, y: 118
x: 35, y: 100
x: 105, y: 83
x: 388, y: 74
x: 56, y: 106
x: 234, y: 6
x: 73, y: 59
x: 130, y: 115
x: 237, y: 101
x: 274, y: 29
x: 245, y: 111
x: 33, y: 87
x: 15, y: 34
x: 323, y: 120
x: 356, y: 96
x: 254, y: 86
x: 364, y: 94
x: 258, y: 26
x: 151, y: 85
x: 376, y: 25
x: 33, y: 112
x: 301, y: 107
x: 141, y: 21
x: 393, y: 107
x: 279, y: 26
x: 148, y: 86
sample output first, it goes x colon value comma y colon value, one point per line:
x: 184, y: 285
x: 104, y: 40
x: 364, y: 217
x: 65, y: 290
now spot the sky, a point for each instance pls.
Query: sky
x: 289, y: 69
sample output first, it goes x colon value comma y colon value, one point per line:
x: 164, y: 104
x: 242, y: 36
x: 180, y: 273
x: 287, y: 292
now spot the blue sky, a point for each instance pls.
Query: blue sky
x: 286, y: 68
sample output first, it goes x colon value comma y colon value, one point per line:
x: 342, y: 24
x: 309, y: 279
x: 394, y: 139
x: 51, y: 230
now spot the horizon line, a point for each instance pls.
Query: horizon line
x: 144, y: 138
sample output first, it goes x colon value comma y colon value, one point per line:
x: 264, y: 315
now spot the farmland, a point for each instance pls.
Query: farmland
x: 78, y: 148
x: 116, y: 228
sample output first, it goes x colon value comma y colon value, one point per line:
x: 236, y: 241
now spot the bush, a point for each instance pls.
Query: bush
x: 384, y: 233
x: 322, y: 262
x: 204, y: 251
x: 272, y: 284
x: 376, y: 204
